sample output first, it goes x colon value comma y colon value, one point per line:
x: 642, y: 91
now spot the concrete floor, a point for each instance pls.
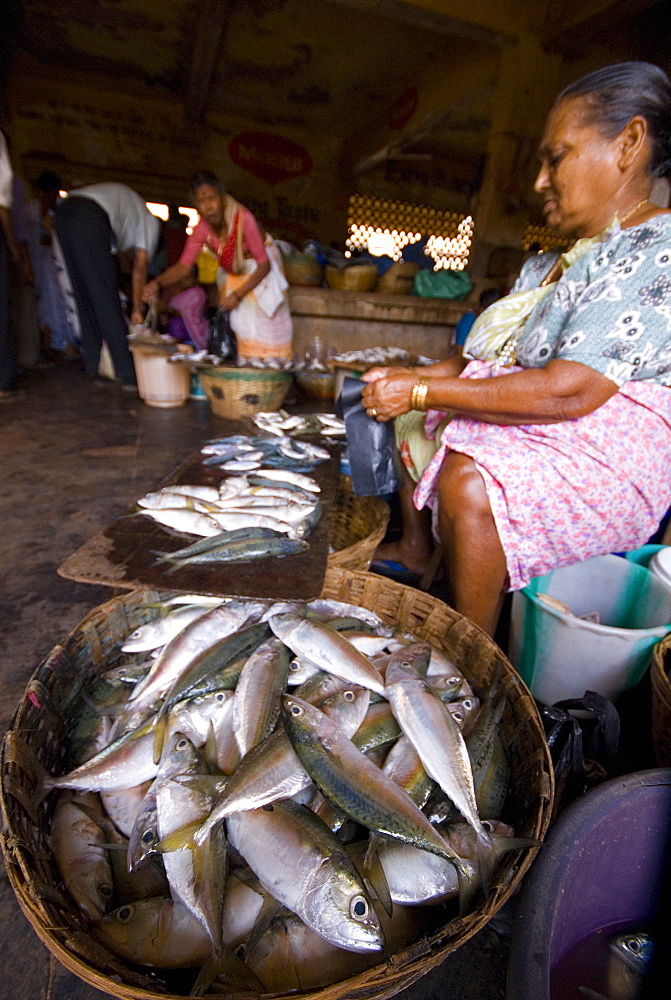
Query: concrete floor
x: 74, y: 457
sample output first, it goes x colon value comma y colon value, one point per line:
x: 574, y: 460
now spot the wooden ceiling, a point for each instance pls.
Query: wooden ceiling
x: 335, y: 67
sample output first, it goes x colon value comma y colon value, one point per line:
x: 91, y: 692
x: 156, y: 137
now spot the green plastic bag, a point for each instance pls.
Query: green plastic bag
x: 443, y: 284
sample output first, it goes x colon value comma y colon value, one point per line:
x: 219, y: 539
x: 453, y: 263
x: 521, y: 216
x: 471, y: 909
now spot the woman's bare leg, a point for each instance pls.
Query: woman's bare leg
x: 414, y: 548
x: 474, y: 559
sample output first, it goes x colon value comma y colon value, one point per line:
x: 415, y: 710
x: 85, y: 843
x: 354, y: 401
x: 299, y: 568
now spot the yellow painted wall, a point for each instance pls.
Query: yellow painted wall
x: 89, y: 136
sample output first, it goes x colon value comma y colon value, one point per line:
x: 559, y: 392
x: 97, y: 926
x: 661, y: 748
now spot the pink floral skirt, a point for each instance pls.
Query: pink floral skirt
x: 564, y: 492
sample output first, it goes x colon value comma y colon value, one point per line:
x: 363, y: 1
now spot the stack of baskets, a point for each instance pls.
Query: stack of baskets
x: 358, y: 525
x: 661, y: 702
x: 54, y: 699
x: 241, y: 392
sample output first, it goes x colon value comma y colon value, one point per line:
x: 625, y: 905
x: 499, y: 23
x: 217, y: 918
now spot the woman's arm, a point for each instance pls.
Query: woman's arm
x: 170, y: 276
x: 451, y: 366
x: 234, y: 298
x: 563, y: 390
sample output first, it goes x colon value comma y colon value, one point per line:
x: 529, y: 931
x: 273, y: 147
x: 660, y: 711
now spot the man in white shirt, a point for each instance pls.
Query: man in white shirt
x: 92, y: 223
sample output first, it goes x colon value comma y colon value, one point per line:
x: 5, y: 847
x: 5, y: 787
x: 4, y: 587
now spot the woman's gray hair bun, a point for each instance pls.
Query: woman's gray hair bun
x: 615, y: 94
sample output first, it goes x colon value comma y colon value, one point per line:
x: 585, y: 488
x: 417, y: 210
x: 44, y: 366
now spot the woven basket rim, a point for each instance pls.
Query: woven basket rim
x: 403, y: 968
x: 260, y: 374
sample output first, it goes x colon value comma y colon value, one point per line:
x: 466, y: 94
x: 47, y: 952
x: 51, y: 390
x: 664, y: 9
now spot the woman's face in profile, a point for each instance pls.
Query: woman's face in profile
x: 579, y: 174
x: 210, y: 204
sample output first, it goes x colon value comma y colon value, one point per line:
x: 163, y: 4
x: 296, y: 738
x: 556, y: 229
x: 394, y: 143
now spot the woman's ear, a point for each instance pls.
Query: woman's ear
x: 633, y: 140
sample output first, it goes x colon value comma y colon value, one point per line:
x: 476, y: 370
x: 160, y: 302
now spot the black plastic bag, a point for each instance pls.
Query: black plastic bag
x: 371, y: 446
x: 583, y: 735
x: 222, y: 341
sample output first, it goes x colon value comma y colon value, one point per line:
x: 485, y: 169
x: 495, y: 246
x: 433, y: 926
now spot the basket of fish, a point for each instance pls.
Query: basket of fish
x: 235, y: 798
x: 358, y: 525
x: 240, y: 392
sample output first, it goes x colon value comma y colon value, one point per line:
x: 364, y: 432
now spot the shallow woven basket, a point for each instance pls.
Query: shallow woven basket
x: 301, y: 269
x: 358, y: 525
x: 240, y: 392
x: 53, y: 700
x: 661, y: 703
x: 398, y: 279
x: 358, y: 278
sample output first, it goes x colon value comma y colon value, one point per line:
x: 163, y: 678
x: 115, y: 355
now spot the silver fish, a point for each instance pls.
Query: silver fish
x: 435, y: 735
x: 194, y: 639
x: 197, y: 875
x: 161, y: 630
x: 302, y: 863
x: 327, y: 648
x: 77, y: 841
x: 256, y: 704
x: 156, y: 932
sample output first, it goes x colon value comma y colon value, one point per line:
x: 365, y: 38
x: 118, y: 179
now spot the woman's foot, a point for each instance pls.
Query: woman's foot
x: 408, y: 557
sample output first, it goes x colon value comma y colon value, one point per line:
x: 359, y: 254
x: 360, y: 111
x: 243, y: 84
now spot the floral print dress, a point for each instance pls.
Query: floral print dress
x: 564, y: 492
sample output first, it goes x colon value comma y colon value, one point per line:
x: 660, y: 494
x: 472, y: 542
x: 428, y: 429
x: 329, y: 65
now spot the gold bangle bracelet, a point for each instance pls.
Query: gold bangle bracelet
x: 418, y: 394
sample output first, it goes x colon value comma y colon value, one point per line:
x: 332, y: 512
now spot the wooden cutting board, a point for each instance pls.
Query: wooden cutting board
x: 122, y: 555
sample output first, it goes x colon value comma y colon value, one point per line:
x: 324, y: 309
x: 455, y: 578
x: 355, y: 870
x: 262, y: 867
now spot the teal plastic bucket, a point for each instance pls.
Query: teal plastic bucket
x: 562, y: 655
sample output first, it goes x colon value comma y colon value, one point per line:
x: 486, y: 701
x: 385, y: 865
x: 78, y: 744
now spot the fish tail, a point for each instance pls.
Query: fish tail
x: 373, y: 873
x: 469, y: 883
x: 179, y: 840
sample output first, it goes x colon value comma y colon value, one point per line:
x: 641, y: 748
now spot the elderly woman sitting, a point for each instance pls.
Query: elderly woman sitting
x: 550, y: 441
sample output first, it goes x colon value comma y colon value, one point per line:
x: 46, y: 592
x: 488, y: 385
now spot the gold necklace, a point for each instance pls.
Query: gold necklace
x: 634, y: 210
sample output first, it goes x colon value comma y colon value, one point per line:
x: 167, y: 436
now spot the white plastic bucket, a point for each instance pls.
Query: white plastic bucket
x: 561, y: 656
x: 660, y: 564
x: 159, y: 381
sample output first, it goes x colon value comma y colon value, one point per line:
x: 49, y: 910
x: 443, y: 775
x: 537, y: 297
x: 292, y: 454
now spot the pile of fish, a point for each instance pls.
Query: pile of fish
x: 281, y: 424
x: 281, y: 795
x: 266, y: 507
x: 378, y: 356
x: 204, y: 360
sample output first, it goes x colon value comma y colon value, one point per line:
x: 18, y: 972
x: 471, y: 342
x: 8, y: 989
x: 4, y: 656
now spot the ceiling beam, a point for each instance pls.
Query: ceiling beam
x: 438, y: 120
x: 565, y: 21
x: 210, y: 31
x: 430, y: 20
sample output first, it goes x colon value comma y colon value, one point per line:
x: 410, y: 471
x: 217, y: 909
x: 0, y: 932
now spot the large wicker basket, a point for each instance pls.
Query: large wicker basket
x: 358, y: 525
x: 661, y: 702
x: 357, y: 278
x: 53, y: 700
x: 241, y: 392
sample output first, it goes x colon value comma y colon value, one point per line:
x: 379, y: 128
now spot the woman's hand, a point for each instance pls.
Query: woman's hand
x: 136, y: 317
x: 388, y: 395
x: 150, y: 292
x: 230, y: 301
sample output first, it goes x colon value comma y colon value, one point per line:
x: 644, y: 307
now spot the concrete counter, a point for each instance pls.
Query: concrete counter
x: 351, y: 321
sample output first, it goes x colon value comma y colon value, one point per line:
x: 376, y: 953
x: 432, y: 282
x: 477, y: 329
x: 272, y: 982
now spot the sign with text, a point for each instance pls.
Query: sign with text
x: 270, y: 157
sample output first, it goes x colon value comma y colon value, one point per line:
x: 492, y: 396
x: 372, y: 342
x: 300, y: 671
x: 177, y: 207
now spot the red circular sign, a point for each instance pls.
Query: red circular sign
x: 270, y: 157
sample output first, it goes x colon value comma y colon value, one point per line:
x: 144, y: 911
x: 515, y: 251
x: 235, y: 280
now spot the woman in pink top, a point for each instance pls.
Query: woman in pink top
x: 251, y: 283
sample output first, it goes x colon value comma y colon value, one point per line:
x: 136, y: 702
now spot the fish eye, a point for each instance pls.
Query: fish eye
x: 486, y: 825
x: 358, y: 908
x: 148, y: 837
x: 220, y: 696
x: 106, y: 891
x: 457, y: 716
x: 294, y: 666
x: 296, y: 710
x: 241, y: 952
x: 348, y: 695
x: 268, y: 808
x: 124, y: 914
x: 181, y: 744
x: 633, y: 945
x: 467, y: 703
